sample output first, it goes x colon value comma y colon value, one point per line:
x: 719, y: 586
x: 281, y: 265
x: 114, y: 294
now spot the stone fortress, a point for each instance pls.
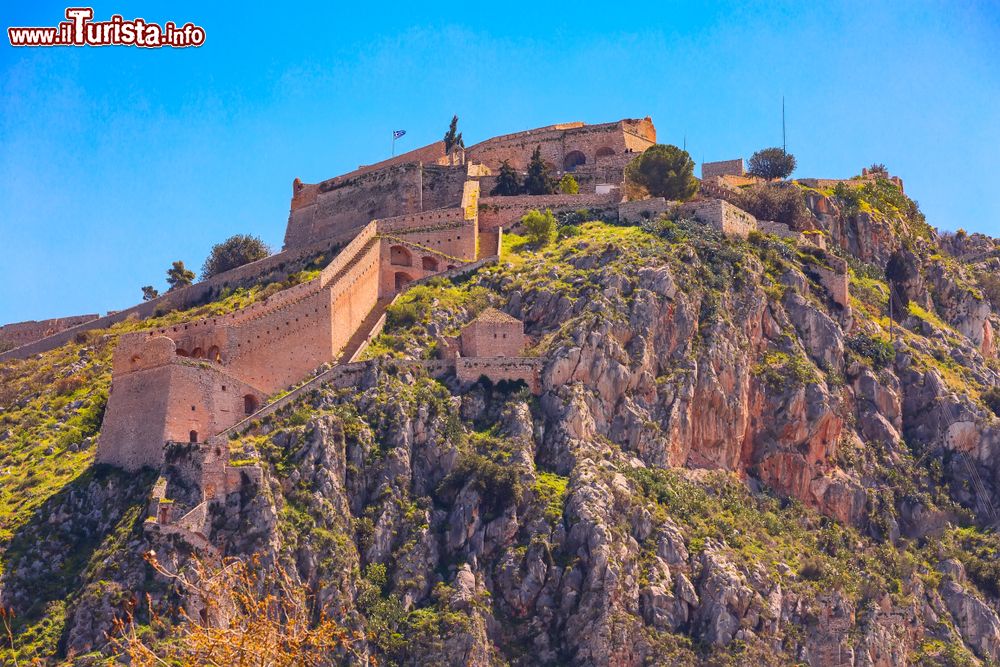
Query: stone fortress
x: 178, y: 393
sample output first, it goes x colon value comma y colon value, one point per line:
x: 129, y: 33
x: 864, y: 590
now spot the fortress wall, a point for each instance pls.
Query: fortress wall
x: 20, y: 333
x: 559, y: 141
x: 643, y: 209
x: 132, y: 434
x: 403, y: 224
x: 722, y: 168
x: 278, y: 349
x: 498, y: 369
x: 402, y: 260
x: 348, y: 203
x: 721, y: 215
x: 506, y: 212
x: 275, y: 267
x: 350, y: 252
x: 152, y: 405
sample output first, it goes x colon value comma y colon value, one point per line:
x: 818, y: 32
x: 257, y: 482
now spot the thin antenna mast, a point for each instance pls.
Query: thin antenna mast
x: 784, y: 145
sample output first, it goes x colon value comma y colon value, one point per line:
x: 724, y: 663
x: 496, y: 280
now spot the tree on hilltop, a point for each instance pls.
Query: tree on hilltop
x: 235, y: 251
x: 149, y: 293
x: 453, y: 138
x: 664, y: 171
x: 538, y: 181
x: 771, y: 163
x: 508, y: 182
x: 179, y: 276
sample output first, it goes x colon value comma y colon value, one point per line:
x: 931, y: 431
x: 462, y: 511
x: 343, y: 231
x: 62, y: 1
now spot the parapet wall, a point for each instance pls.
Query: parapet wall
x: 721, y: 215
x: 498, y: 369
x: 21, y: 333
x: 567, y: 146
x: 634, y: 212
x: 722, y: 168
x: 505, y: 212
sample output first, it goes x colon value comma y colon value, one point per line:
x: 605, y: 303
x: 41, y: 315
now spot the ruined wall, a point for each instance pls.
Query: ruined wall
x: 722, y: 168
x: 567, y: 146
x: 349, y: 202
x: 21, y: 333
x: 721, y: 215
x: 501, y: 368
x: 506, y: 212
x: 634, y: 212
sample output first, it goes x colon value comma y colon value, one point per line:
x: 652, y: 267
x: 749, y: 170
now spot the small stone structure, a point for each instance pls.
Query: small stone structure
x: 493, y: 334
x: 723, y: 168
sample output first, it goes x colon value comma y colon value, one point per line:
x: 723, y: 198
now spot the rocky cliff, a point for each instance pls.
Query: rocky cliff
x: 726, y: 465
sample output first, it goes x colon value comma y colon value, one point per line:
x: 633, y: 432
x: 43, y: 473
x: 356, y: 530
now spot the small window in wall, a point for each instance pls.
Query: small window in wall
x: 193, y: 436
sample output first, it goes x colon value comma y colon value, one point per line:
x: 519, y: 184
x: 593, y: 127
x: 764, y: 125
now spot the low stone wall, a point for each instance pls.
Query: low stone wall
x: 634, y: 212
x: 497, y: 369
x: 21, y: 333
x: 721, y: 215
x: 507, y: 211
x: 835, y: 280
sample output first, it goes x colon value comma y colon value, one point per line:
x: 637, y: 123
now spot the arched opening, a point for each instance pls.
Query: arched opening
x: 250, y: 404
x: 214, y: 354
x: 400, y: 256
x: 604, y: 151
x: 402, y: 280
x: 429, y: 263
x: 573, y: 160
x: 197, y: 353
x: 193, y: 436
x: 182, y: 352
x: 451, y: 266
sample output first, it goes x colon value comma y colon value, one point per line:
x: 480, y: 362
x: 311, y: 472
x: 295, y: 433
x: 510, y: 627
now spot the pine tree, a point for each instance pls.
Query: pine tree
x: 453, y: 138
x: 538, y: 181
x: 149, y: 293
x: 508, y: 183
x: 178, y: 276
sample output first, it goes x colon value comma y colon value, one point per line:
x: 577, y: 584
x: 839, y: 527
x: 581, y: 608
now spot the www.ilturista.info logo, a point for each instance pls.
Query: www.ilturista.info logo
x: 80, y: 30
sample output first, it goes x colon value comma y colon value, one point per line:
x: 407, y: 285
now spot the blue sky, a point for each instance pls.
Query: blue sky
x: 116, y: 161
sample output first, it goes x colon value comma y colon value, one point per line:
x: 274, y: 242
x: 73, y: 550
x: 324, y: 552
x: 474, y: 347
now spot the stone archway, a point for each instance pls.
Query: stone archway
x: 193, y: 436
x: 197, y: 353
x: 573, y: 160
x: 214, y: 354
x: 603, y: 152
x: 429, y: 263
x: 250, y: 404
x: 181, y: 352
x: 400, y: 256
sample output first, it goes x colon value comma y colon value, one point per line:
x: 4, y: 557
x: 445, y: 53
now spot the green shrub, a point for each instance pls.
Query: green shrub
x: 539, y: 227
x: 568, y: 185
x: 992, y: 399
x: 879, y: 352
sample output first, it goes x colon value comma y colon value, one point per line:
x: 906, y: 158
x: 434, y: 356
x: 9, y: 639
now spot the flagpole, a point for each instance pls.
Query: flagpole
x: 393, y: 143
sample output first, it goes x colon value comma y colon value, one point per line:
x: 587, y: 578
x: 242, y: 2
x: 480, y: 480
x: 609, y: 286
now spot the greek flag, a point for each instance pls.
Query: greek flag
x: 396, y: 134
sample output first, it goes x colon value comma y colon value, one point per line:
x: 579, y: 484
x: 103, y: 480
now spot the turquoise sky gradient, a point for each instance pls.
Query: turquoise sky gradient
x: 116, y: 161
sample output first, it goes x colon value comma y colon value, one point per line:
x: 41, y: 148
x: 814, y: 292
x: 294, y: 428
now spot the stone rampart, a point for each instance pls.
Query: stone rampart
x: 21, y: 333
x: 506, y: 212
x: 497, y: 369
x: 567, y: 146
x: 722, y: 168
x: 721, y: 215
x: 634, y: 212
x: 348, y: 203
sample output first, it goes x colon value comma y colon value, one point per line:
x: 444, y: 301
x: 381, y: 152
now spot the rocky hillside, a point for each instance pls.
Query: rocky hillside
x: 725, y: 465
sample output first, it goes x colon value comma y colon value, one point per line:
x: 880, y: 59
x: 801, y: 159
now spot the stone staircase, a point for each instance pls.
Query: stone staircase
x: 365, y: 331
